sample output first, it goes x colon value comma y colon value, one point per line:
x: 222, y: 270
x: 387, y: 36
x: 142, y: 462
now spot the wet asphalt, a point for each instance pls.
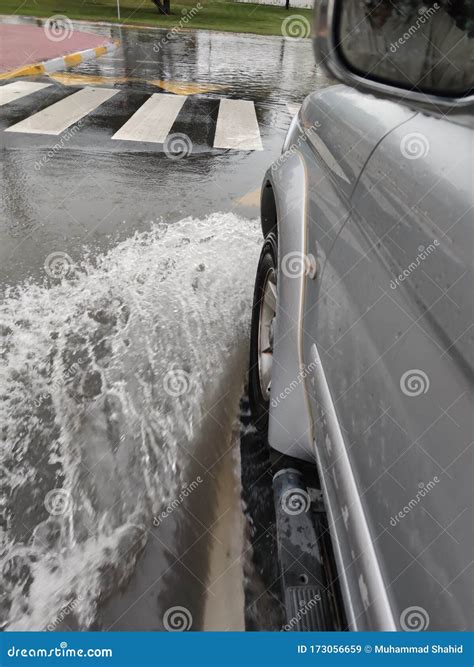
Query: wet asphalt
x: 92, y: 193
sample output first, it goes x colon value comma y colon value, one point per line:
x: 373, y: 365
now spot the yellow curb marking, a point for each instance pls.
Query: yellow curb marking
x: 70, y: 60
x: 176, y: 87
x: 27, y: 70
x: 71, y: 79
x: 74, y: 59
x: 250, y: 199
x: 187, y: 88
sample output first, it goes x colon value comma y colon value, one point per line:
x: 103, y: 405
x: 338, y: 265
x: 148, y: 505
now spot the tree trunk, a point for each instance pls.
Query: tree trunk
x: 162, y: 7
x: 287, y: 4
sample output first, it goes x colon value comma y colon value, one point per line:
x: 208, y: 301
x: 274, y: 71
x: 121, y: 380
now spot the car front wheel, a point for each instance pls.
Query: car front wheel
x: 262, y: 332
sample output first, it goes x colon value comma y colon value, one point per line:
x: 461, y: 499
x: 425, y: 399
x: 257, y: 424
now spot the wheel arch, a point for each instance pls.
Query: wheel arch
x: 284, y: 211
x: 268, y: 209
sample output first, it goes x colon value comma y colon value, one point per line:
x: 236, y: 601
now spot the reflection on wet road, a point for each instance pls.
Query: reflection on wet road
x: 125, y: 321
x: 80, y: 187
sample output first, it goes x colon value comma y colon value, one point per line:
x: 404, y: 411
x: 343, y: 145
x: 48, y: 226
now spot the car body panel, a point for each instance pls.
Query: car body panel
x: 359, y: 571
x: 290, y: 427
x: 309, y: 215
x: 404, y: 433
x: 345, y: 127
x: 366, y: 219
x: 337, y: 131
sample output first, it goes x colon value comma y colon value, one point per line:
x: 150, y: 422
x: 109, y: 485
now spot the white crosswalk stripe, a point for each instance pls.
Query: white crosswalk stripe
x: 153, y: 120
x: 18, y: 89
x: 59, y: 116
x: 237, y: 126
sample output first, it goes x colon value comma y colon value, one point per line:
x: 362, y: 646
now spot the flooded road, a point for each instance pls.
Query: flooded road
x: 121, y: 385
x: 81, y: 187
x: 127, y: 268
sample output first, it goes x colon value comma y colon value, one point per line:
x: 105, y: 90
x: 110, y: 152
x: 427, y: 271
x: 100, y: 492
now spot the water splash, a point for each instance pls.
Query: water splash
x: 105, y: 377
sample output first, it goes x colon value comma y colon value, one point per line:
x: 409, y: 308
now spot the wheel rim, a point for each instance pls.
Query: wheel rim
x: 265, y: 333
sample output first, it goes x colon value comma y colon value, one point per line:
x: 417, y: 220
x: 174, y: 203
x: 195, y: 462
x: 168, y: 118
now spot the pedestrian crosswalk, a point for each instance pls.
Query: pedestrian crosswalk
x: 61, y: 115
x: 18, y: 89
x: 152, y: 122
x: 237, y: 126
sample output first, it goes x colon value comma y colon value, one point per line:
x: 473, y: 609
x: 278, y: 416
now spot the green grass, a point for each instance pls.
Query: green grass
x: 214, y: 15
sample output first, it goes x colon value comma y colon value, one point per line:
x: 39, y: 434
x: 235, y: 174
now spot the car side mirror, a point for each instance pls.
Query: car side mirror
x: 413, y: 49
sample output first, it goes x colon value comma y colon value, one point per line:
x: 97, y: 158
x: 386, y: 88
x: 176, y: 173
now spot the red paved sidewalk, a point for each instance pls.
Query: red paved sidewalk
x: 27, y: 44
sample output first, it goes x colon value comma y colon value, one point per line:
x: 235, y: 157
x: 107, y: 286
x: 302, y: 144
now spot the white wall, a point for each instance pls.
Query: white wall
x: 302, y: 4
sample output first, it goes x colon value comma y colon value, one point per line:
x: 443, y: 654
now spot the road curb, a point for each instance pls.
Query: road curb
x: 69, y: 60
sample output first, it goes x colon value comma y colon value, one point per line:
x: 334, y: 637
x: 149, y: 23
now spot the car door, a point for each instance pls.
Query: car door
x: 388, y: 321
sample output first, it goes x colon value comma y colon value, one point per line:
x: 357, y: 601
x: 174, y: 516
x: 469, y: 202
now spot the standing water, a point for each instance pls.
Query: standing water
x: 118, y: 382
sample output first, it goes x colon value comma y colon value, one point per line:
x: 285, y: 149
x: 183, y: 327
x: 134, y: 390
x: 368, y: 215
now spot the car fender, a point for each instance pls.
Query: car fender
x: 290, y: 424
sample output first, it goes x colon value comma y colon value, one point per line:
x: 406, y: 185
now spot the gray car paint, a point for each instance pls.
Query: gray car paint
x: 289, y: 401
x: 365, y: 212
x: 324, y: 190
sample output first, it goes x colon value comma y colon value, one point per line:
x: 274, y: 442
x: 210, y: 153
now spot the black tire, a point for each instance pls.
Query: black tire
x: 259, y: 404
